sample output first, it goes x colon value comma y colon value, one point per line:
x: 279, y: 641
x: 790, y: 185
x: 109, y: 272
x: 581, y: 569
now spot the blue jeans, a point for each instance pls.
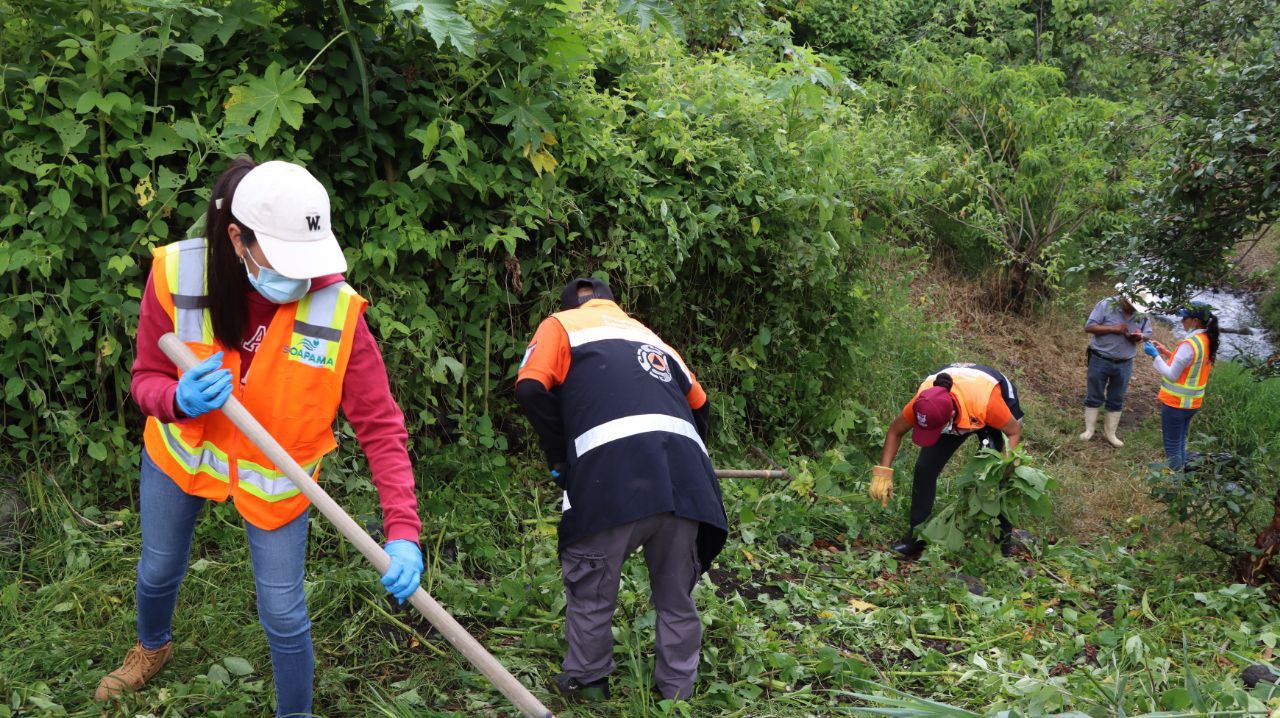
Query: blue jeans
x: 1175, y: 424
x: 168, y: 521
x: 1108, y: 380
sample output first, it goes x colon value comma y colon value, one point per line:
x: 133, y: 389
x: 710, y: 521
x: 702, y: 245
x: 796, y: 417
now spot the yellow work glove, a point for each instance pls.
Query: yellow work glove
x: 881, y: 484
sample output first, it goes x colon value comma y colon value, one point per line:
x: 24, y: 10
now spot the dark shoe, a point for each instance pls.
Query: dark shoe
x: 571, y: 687
x: 909, y: 546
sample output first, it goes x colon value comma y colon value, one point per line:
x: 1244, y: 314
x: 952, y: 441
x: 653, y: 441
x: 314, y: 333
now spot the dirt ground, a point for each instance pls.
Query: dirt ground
x: 1102, y: 489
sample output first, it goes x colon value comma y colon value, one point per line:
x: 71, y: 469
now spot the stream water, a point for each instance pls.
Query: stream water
x: 1242, y: 331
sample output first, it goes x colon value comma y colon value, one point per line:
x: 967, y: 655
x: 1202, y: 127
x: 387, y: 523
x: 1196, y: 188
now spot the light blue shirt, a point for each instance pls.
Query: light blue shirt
x: 1116, y: 346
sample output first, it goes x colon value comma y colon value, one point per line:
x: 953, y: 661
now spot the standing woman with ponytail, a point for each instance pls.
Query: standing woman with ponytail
x: 261, y: 300
x: 957, y: 401
x: 1184, y: 374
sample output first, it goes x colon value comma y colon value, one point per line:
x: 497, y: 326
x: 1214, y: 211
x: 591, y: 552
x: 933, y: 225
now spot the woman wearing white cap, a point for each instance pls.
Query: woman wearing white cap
x: 261, y: 298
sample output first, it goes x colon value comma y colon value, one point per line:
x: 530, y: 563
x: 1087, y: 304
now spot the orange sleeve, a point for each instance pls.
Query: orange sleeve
x: 998, y: 414
x: 909, y: 412
x: 695, y: 396
x: 547, y: 357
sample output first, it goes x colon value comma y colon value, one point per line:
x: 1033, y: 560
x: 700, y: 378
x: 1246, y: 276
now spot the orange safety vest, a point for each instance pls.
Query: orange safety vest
x: 294, y: 389
x: 971, y: 388
x: 1188, y: 391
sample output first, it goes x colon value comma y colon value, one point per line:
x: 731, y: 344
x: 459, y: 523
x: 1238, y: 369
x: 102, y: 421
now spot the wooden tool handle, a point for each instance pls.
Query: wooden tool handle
x: 515, y: 691
x: 751, y: 474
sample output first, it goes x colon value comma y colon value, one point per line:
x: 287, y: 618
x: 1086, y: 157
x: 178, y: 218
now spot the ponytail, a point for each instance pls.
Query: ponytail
x: 1211, y: 329
x: 228, y: 286
x: 944, y: 380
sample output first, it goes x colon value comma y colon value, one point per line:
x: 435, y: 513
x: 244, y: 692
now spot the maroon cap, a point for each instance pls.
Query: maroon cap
x: 934, y: 409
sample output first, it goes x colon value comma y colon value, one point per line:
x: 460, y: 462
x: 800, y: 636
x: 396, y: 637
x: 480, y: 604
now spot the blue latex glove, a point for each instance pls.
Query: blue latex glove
x: 204, y: 387
x: 1150, y: 350
x: 405, y: 571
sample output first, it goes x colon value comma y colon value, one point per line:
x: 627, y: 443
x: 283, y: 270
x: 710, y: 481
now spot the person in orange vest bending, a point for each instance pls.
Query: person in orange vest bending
x: 623, y: 423
x: 262, y: 301
x: 958, y: 401
x: 1184, y: 374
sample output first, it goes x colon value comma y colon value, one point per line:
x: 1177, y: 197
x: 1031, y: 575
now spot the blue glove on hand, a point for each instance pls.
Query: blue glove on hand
x: 204, y: 387
x: 1150, y: 350
x: 402, y: 576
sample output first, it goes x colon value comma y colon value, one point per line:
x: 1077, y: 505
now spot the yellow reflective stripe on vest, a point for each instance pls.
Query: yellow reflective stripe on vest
x: 318, y: 324
x: 268, y: 484
x: 206, y: 459
x: 633, y: 425
x: 185, y: 270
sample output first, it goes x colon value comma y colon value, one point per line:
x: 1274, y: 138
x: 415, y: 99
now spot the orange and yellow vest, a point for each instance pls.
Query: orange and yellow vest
x: 971, y: 389
x: 294, y: 389
x: 1188, y: 391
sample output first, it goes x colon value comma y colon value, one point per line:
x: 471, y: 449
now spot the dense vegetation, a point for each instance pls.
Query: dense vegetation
x: 763, y: 183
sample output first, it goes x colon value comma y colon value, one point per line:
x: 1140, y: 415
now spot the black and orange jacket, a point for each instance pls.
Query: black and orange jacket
x: 626, y: 424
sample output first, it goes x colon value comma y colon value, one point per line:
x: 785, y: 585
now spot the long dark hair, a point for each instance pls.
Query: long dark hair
x: 1211, y: 329
x: 228, y: 284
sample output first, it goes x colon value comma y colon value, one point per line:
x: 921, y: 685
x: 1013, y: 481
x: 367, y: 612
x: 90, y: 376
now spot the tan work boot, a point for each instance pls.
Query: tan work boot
x: 1109, y: 431
x: 139, y: 666
x: 1090, y: 421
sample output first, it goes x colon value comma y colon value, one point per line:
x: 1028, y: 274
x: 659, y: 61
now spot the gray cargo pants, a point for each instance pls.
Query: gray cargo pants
x: 592, y: 568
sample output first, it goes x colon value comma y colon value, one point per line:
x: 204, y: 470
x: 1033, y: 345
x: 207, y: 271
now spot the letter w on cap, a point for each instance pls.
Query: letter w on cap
x: 313, y: 222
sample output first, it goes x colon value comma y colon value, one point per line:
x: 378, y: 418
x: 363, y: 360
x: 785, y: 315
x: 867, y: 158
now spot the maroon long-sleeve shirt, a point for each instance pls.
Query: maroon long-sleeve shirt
x: 366, y: 400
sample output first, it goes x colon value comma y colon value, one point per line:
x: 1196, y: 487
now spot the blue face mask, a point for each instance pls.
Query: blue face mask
x: 274, y: 286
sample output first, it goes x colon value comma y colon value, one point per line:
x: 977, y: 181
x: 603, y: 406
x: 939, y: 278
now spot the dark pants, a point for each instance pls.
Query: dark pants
x: 592, y: 568
x: 1108, y: 381
x: 924, y: 485
x: 1175, y: 424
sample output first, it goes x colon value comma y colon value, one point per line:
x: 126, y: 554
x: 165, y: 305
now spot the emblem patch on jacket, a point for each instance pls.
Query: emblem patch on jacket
x: 654, y: 361
x: 311, y: 351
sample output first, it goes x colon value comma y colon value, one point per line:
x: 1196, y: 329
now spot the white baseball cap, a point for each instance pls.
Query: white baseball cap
x: 288, y: 211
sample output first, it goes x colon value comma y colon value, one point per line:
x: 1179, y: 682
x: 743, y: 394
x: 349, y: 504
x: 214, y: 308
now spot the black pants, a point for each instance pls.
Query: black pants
x: 924, y: 485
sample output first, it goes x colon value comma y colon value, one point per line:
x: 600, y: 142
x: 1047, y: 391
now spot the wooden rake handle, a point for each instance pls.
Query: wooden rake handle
x: 421, y: 600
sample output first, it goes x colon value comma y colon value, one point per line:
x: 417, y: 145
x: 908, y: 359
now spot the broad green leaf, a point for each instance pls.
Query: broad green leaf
x: 195, y: 52
x: 237, y: 666
x: 442, y: 20
x: 218, y: 674
x: 277, y: 95
x: 25, y: 157
x: 659, y: 13
x: 61, y: 200
x: 87, y: 101
x: 124, y: 45
x: 428, y: 136
x: 70, y: 130
x: 164, y: 140
x: 97, y: 451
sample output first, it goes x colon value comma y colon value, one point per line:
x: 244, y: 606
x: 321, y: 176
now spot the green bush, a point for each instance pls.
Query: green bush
x: 1240, y: 410
x: 862, y: 33
x: 734, y: 204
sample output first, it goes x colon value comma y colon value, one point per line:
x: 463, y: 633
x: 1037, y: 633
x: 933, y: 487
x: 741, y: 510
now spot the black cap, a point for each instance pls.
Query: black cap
x: 569, y: 298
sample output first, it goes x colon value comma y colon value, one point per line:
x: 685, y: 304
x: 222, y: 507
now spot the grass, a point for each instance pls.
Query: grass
x: 802, y: 609
x: 1112, y: 612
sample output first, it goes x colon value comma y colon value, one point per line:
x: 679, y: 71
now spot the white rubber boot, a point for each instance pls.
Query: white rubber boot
x: 1113, y: 420
x: 1090, y: 422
